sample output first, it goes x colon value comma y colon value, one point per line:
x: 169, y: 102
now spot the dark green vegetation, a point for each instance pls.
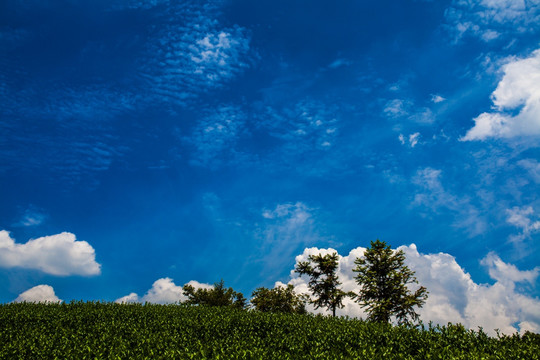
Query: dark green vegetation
x: 112, y: 331
x: 324, y: 282
x: 279, y: 300
x: 218, y: 295
x: 383, y: 279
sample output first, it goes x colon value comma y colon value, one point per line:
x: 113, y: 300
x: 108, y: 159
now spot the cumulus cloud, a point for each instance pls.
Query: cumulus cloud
x: 163, y: 291
x: 40, y: 293
x: 59, y: 254
x: 516, y: 103
x: 525, y: 220
x: 453, y: 295
x: 433, y: 195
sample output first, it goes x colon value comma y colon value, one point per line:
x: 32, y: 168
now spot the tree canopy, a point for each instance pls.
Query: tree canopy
x: 383, y: 278
x: 279, y: 299
x: 218, y: 295
x: 324, y: 282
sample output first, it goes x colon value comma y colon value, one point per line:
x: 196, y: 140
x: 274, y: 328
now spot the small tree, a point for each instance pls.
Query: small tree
x: 324, y: 282
x: 216, y: 296
x: 279, y: 299
x: 383, y: 280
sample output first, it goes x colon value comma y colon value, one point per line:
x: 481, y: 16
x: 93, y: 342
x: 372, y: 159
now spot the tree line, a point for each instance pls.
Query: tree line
x: 382, y: 277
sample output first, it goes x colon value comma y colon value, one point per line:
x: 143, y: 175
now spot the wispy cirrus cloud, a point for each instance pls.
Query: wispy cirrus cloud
x: 286, y: 228
x: 71, y: 114
x: 493, y: 19
x: 308, y: 129
x: 533, y: 168
x: 433, y: 195
x: 32, y: 216
x: 404, y: 109
x: 214, y: 137
x: 525, y: 219
x: 191, y: 52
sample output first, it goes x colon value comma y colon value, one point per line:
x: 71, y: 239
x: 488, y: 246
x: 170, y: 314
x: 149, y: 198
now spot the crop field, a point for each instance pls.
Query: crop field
x: 95, y: 330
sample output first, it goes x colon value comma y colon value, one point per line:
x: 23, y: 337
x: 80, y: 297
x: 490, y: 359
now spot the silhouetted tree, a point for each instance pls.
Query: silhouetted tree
x: 324, y: 282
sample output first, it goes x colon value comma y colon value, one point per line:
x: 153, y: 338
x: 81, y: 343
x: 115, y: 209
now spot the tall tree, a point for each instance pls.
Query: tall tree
x: 279, y: 299
x: 219, y: 295
x: 324, y: 282
x: 383, y: 278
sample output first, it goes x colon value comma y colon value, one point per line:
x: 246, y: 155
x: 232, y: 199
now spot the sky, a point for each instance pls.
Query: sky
x: 149, y: 144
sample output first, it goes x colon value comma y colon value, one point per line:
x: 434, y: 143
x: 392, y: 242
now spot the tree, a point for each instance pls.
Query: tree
x: 324, y: 282
x: 279, y: 299
x: 216, y: 296
x: 383, y: 280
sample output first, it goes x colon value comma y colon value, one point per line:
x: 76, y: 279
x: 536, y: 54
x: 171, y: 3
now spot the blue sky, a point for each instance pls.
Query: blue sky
x: 153, y: 143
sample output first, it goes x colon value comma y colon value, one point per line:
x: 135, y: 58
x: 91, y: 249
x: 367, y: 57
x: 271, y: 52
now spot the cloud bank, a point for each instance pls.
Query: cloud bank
x: 40, y: 293
x: 163, y: 291
x: 59, y: 254
x: 453, y: 295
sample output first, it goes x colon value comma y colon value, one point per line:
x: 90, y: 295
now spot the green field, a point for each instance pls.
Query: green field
x: 96, y: 330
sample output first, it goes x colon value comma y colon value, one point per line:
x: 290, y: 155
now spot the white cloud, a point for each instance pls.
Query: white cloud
x: 59, y: 254
x: 508, y: 273
x: 163, y: 291
x: 191, y: 53
x: 40, y: 293
x: 397, y: 108
x: 453, y: 295
x: 131, y: 298
x: 533, y: 168
x: 434, y: 196
x: 493, y: 19
x: 516, y: 103
x: 285, y: 229
x: 437, y: 98
x: 215, y: 55
x: 32, y: 217
x: 524, y: 219
x: 412, y: 139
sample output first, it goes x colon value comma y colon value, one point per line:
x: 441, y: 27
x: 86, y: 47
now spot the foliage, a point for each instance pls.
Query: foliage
x: 279, y: 299
x: 324, y: 282
x: 383, y: 280
x: 134, y: 331
x: 218, y: 295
